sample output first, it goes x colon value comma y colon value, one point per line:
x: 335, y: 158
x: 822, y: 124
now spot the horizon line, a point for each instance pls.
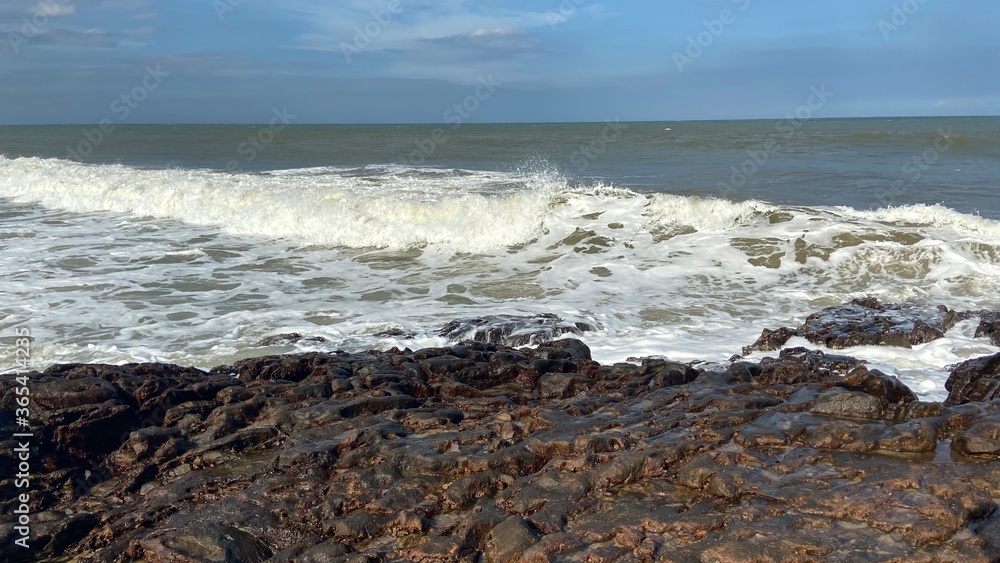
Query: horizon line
x: 415, y: 123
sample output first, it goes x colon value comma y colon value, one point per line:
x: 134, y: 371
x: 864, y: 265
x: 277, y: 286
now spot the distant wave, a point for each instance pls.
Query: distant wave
x: 386, y: 206
x: 336, y: 207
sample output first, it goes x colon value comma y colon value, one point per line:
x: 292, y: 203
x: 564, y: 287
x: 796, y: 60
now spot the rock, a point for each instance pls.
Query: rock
x: 288, y: 368
x: 851, y: 404
x: 977, y: 379
x: 212, y: 542
x: 396, y: 332
x: 563, y: 385
x: 288, y: 339
x: 477, y: 451
x: 770, y: 340
x: 326, y: 551
x: 866, y: 322
x: 566, y: 349
x: 93, y: 431
x: 887, y: 388
x: 981, y: 440
x: 664, y: 373
x: 509, y: 540
x: 799, y: 365
x: 437, y: 549
x: 989, y: 327
x: 61, y: 393
x: 511, y: 330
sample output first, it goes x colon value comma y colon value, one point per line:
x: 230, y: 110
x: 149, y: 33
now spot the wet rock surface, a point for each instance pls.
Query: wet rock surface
x: 977, y: 379
x: 512, y: 330
x: 483, y: 452
x: 478, y: 452
x: 771, y: 340
x: 867, y: 322
x: 989, y: 326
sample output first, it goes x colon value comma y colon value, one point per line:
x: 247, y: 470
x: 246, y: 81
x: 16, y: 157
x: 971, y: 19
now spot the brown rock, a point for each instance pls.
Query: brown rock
x: 981, y: 440
x: 989, y: 327
x: 866, y: 322
x: 770, y: 340
x: 509, y: 540
x: 974, y: 380
x: 851, y: 404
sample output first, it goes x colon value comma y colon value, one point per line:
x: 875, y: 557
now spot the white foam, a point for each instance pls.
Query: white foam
x: 924, y: 368
x: 112, y: 263
x: 936, y: 216
x: 706, y: 214
x: 327, y: 208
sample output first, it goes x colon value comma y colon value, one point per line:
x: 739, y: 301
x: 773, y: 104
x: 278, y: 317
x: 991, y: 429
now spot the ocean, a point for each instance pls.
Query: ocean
x: 193, y: 244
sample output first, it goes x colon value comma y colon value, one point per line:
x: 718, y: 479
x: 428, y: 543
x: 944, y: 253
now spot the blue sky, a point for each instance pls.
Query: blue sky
x: 411, y: 61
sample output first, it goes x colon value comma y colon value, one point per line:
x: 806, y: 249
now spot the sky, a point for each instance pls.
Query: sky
x: 423, y: 61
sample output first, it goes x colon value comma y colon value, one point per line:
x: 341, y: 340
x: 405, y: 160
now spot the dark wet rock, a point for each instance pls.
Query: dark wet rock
x: 867, y: 322
x: 437, y: 549
x: 977, y: 379
x: 989, y: 327
x: 92, y: 431
x: 288, y: 339
x: 326, y: 551
x: 511, y: 330
x: 509, y: 540
x: 478, y: 452
x: 60, y: 393
x: 290, y: 368
x: 396, y: 333
x: 569, y: 349
x: 770, y: 340
x: 800, y: 365
x: 213, y: 542
x: 664, y: 373
x: 981, y: 440
x: 889, y: 390
x: 563, y: 385
x: 851, y: 404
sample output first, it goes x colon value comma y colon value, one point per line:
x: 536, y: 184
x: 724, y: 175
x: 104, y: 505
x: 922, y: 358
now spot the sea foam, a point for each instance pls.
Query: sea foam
x: 116, y: 263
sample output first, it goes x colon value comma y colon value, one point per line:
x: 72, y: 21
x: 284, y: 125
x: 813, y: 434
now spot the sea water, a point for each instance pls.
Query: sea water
x: 166, y: 243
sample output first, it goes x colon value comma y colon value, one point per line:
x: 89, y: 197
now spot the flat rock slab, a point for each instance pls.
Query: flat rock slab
x: 866, y: 322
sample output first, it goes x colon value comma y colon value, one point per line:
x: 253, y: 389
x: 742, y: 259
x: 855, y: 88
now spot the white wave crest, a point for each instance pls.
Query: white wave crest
x: 327, y: 209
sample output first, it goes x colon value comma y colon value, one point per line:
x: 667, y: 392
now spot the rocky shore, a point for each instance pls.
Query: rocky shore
x: 484, y: 452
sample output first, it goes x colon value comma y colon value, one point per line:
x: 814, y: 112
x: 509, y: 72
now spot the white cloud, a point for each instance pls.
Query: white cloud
x: 415, y: 22
x: 53, y: 9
